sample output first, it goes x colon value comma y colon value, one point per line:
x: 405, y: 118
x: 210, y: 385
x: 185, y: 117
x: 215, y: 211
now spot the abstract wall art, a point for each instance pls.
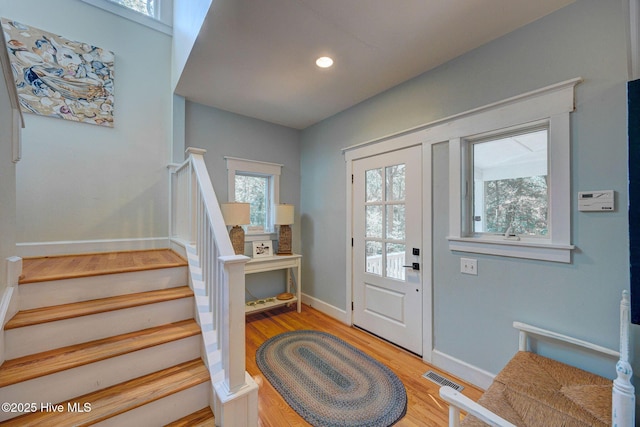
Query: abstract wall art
x: 57, y: 77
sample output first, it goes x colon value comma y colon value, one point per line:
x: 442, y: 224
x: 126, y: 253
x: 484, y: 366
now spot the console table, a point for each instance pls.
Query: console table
x: 277, y: 262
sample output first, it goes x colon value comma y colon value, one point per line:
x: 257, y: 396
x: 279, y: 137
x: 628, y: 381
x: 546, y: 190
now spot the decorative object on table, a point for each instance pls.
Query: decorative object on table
x: 329, y: 382
x: 285, y: 296
x: 263, y: 248
x: 284, y: 218
x: 236, y: 214
x: 60, y: 78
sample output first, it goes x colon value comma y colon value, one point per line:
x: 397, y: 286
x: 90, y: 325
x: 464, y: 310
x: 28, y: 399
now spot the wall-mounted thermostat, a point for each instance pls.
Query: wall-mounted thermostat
x: 596, y: 201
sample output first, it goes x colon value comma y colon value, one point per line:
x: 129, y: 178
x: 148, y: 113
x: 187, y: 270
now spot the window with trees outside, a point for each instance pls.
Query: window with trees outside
x: 510, y: 184
x: 254, y: 189
x: 256, y: 183
x: 509, y: 175
x: 156, y: 14
x: 146, y: 7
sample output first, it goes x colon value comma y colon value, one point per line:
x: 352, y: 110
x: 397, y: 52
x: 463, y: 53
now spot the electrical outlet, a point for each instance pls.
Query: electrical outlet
x: 469, y: 266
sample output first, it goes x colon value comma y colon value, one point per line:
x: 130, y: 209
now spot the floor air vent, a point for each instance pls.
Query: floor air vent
x: 439, y: 379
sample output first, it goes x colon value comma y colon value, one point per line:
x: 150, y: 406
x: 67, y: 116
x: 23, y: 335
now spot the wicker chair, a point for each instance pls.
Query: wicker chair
x: 532, y: 390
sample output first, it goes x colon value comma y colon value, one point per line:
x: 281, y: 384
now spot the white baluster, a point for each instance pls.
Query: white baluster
x: 623, y: 394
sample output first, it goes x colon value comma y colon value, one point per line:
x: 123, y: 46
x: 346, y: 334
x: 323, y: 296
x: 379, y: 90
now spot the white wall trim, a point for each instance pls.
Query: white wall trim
x: 328, y: 309
x: 442, y: 132
x: 35, y: 249
x: 469, y: 373
x: 542, y: 252
x: 427, y: 254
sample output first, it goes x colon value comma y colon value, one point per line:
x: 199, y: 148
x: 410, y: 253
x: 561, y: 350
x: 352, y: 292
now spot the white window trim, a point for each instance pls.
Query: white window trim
x: 164, y: 22
x: 272, y: 170
x: 553, y: 103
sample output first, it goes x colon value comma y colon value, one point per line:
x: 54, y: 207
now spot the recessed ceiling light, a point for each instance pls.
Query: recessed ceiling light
x: 324, y: 62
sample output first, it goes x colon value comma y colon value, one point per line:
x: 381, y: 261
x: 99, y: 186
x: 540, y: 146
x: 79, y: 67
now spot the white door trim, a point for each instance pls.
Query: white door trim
x: 385, y: 146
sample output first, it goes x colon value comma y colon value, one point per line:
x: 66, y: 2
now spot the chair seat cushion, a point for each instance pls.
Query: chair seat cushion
x: 533, y: 390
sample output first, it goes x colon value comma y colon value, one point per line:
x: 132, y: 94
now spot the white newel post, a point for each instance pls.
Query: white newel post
x: 623, y: 394
x: 237, y: 394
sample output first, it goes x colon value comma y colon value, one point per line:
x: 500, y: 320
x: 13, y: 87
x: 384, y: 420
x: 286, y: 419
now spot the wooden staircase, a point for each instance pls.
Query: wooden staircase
x: 105, y: 338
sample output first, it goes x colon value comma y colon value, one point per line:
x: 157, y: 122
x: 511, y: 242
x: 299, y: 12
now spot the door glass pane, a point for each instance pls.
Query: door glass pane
x: 374, y: 221
x: 395, y: 182
x: 395, y: 222
x: 395, y: 261
x: 373, y: 185
x: 374, y: 257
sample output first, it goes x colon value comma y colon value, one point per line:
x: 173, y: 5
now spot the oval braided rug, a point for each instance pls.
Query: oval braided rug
x: 329, y: 382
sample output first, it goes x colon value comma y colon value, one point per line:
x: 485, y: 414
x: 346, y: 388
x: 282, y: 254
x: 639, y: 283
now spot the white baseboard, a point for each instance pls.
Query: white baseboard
x: 463, y: 370
x: 35, y: 249
x: 327, y: 309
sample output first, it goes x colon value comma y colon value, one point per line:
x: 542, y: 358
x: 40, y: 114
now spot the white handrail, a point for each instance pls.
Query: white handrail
x: 217, y: 278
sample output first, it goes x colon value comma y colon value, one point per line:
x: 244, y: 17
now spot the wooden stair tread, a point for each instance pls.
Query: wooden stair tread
x: 33, y: 366
x: 66, y: 311
x: 84, y: 265
x: 202, y: 418
x: 120, y: 398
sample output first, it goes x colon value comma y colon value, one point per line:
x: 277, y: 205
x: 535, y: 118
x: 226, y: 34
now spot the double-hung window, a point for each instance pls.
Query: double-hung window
x: 256, y: 183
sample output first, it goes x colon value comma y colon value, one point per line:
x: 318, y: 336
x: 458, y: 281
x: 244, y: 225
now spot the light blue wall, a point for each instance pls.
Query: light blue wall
x: 222, y: 134
x: 79, y: 182
x: 473, y: 315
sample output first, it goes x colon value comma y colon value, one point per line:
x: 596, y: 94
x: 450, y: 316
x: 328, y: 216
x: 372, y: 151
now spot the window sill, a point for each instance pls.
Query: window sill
x: 512, y: 248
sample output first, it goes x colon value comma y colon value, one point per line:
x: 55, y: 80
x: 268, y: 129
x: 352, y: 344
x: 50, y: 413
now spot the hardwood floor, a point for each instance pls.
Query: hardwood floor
x: 425, y: 408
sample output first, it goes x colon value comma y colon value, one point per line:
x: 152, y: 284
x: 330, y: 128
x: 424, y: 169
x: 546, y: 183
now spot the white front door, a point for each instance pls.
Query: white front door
x: 387, y: 236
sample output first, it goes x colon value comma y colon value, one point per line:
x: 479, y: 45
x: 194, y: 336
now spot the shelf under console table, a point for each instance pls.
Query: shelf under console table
x: 277, y: 262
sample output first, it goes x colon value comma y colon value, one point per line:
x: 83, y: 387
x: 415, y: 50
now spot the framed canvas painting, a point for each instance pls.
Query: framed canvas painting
x: 60, y: 78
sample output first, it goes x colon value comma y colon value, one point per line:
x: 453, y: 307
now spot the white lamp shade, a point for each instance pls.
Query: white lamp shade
x: 284, y: 214
x: 236, y: 213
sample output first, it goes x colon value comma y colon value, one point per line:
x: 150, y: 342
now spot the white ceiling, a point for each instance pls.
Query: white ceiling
x: 257, y: 57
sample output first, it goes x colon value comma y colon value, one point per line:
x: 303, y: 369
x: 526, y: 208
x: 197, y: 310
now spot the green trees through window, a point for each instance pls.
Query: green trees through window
x: 510, y: 184
x: 146, y: 7
x: 255, y: 191
x: 518, y: 203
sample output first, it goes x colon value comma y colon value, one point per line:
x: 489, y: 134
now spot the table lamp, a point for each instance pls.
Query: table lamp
x: 236, y: 214
x: 284, y: 218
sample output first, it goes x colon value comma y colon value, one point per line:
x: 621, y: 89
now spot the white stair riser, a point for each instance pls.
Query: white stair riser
x: 56, y: 292
x: 65, y: 385
x: 165, y: 410
x: 48, y: 336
